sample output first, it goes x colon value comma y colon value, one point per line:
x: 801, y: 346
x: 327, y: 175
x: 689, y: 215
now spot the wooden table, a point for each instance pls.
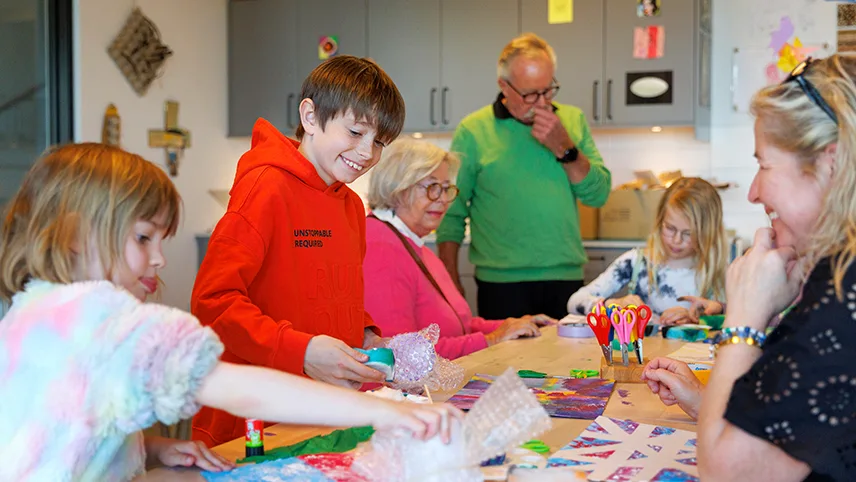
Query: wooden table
x: 548, y: 353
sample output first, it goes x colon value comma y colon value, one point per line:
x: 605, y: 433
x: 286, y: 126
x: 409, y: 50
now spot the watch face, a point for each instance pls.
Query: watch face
x: 570, y: 155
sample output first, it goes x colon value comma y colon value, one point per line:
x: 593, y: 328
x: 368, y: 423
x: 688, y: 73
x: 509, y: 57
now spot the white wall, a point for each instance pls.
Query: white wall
x: 745, y: 25
x: 195, y: 76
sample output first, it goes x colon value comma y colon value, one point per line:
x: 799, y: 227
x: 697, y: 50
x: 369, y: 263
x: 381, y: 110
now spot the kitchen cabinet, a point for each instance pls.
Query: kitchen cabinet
x: 441, y: 54
x: 404, y: 40
x: 596, y: 65
x: 677, y: 62
x: 263, y: 80
x: 273, y: 46
x: 579, y: 52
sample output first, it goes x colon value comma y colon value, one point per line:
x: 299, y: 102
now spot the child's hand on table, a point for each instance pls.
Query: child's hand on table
x: 624, y: 301
x: 185, y: 453
x: 424, y: 421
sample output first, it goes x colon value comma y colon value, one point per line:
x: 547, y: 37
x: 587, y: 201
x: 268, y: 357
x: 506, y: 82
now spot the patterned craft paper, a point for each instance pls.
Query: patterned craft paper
x: 305, y: 468
x: 561, y: 397
x: 611, y: 449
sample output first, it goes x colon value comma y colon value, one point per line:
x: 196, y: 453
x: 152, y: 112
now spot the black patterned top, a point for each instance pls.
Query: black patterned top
x: 801, y: 394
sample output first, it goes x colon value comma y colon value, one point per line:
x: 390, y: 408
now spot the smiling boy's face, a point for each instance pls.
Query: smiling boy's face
x: 345, y: 149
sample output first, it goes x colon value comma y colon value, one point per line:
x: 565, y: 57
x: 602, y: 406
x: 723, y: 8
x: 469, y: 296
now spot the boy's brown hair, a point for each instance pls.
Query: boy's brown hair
x: 347, y: 83
x: 73, y: 195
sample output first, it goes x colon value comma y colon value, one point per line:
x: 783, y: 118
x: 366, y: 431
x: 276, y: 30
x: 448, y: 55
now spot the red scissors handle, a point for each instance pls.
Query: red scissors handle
x: 600, y: 326
x: 644, y: 314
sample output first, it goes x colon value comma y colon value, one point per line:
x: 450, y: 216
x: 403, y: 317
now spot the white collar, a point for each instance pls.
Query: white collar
x: 389, y: 216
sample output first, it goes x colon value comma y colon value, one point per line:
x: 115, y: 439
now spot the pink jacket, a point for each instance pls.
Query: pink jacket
x: 400, y: 298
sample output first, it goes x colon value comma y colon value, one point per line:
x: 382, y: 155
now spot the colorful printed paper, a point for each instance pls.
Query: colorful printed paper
x: 649, y: 42
x: 561, y: 397
x: 306, y: 468
x: 611, y: 449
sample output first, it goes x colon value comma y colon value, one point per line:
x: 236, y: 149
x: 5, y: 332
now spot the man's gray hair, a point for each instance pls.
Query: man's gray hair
x: 527, y: 45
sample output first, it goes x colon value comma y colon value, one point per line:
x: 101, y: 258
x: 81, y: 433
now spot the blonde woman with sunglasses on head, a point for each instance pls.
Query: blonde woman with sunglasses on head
x: 783, y: 407
x: 407, y: 286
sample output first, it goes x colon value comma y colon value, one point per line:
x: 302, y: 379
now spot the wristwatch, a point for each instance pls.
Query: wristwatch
x: 570, y: 155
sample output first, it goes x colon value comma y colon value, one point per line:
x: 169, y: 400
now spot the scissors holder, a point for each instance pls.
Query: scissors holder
x: 632, y: 373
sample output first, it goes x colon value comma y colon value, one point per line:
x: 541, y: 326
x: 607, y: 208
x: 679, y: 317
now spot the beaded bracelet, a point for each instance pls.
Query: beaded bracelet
x: 740, y: 334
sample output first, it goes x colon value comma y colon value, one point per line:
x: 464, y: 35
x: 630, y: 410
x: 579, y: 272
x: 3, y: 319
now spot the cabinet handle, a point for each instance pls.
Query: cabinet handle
x: 291, y: 125
x: 609, y: 99
x: 433, y: 95
x: 443, y: 102
x: 594, y: 110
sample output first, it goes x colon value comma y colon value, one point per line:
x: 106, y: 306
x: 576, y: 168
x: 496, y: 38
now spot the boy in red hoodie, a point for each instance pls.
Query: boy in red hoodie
x: 282, y: 280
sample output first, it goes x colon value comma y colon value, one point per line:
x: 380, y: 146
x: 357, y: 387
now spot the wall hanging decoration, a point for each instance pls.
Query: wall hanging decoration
x: 139, y: 52
x: 111, y: 129
x: 172, y: 138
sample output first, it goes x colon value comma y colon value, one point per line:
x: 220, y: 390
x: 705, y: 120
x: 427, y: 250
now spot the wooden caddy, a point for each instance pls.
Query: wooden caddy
x: 632, y: 373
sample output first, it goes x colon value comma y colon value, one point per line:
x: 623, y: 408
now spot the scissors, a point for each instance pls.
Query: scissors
x: 643, y: 316
x: 624, y: 321
x: 600, y: 326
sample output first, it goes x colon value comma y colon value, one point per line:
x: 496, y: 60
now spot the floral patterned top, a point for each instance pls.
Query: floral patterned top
x: 84, y: 367
x: 631, y: 268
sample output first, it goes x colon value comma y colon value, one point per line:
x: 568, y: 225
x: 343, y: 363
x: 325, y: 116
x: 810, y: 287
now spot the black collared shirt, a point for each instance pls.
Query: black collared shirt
x: 500, y: 111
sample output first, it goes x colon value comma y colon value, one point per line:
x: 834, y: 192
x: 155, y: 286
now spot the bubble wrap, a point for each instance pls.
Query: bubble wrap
x: 417, y: 363
x: 507, y: 415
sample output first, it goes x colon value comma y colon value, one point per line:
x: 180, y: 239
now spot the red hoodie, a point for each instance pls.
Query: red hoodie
x: 283, y: 264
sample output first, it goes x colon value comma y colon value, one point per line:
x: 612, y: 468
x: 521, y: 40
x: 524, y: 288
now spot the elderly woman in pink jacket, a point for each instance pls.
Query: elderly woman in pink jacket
x: 407, y: 286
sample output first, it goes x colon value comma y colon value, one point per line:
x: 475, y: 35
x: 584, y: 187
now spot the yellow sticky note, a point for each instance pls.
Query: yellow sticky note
x: 560, y: 11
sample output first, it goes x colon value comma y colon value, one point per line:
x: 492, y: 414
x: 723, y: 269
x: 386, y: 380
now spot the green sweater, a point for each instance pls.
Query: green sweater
x: 524, y: 222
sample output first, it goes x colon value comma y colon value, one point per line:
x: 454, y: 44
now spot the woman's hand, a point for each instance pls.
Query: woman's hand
x: 513, y: 328
x: 762, y: 282
x: 185, y: 453
x: 676, y: 315
x: 675, y: 383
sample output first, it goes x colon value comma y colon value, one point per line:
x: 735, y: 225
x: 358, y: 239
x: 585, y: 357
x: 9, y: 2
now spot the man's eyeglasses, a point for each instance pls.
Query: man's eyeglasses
x: 797, y: 75
x: 532, y: 97
x: 435, y: 190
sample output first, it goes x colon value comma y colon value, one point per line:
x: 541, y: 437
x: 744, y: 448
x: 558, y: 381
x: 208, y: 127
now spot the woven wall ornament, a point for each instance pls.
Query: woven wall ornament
x: 139, y: 52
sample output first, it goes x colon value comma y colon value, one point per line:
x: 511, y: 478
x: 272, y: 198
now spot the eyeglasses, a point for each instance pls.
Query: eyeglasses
x: 670, y: 232
x: 435, y: 190
x: 797, y: 75
x: 532, y: 97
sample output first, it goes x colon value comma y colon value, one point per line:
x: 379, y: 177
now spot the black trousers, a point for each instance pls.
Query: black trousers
x: 497, y: 301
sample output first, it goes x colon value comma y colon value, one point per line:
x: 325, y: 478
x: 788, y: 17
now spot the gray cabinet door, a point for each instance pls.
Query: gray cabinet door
x: 343, y: 19
x: 579, y: 51
x: 677, y: 19
x: 404, y: 40
x: 262, y: 77
x: 473, y: 35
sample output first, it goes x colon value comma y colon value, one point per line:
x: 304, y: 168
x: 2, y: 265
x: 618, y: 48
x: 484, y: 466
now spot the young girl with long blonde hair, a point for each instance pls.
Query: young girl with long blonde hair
x: 85, y: 364
x: 682, y: 266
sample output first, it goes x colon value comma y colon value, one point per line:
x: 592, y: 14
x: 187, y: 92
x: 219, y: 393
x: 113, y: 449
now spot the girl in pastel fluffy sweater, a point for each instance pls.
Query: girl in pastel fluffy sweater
x: 85, y: 364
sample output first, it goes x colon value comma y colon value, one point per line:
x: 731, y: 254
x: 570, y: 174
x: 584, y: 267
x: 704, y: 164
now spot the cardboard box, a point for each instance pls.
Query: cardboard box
x: 629, y: 214
x: 588, y: 221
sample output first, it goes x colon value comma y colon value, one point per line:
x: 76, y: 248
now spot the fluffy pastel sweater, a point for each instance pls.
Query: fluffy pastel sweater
x: 400, y: 298
x: 85, y: 367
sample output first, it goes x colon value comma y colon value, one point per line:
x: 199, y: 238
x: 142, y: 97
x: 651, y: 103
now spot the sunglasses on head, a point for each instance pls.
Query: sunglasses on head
x: 797, y: 75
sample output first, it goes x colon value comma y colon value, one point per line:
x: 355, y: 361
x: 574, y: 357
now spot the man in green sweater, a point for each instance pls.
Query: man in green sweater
x: 525, y: 163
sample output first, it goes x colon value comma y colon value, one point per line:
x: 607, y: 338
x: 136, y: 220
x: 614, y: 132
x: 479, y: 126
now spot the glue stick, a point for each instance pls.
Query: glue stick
x: 254, y: 438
